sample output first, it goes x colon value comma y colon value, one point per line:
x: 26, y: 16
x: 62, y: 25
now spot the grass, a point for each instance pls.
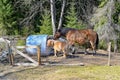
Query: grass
x: 69, y: 73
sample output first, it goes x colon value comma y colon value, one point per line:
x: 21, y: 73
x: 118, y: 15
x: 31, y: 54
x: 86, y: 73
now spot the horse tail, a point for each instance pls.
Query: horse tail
x: 97, y: 41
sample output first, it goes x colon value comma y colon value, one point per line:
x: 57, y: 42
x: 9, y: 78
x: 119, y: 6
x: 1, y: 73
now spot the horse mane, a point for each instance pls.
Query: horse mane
x: 65, y: 30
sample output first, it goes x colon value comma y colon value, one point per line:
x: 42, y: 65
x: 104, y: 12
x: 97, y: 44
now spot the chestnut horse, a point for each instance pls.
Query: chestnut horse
x: 79, y: 36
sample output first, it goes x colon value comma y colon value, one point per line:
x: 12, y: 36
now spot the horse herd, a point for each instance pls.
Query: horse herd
x: 73, y: 36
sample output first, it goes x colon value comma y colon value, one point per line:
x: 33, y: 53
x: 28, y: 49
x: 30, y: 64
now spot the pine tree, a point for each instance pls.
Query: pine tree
x: 7, y: 21
x: 71, y: 18
x: 46, y: 27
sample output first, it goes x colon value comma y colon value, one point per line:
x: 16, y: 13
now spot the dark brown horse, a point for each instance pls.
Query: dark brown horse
x: 79, y: 36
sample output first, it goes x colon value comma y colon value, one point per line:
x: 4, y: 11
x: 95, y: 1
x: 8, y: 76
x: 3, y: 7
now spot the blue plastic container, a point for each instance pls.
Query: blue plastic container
x: 37, y: 40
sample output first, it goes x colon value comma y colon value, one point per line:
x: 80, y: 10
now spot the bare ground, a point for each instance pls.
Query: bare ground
x: 101, y: 59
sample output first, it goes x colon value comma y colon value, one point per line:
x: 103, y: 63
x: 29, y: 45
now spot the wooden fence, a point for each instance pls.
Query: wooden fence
x: 14, y: 49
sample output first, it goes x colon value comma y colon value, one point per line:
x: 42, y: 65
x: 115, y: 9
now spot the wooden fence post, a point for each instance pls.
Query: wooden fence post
x: 11, y: 56
x: 38, y: 55
x: 109, y: 54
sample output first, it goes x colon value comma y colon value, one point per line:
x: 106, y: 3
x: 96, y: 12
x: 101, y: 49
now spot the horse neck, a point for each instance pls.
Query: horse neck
x: 65, y: 31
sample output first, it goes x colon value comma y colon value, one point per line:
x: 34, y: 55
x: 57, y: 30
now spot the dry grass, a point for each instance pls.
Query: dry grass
x: 67, y: 73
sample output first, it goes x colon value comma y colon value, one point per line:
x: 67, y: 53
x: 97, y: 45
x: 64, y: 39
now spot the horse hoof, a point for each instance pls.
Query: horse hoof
x: 71, y: 54
x: 94, y: 54
x: 64, y: 56
x: 55, y: 56
x: 85, y: 53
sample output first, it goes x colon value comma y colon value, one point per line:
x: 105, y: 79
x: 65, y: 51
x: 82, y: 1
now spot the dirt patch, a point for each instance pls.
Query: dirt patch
x: 101, y: 58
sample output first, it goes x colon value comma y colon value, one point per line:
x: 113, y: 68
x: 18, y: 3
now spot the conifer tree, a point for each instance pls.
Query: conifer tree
x: 46, y: 27
x: 71, y: 18
x: 7, y: 21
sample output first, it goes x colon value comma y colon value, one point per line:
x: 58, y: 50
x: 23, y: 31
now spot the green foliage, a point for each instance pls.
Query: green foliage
x: 102, y: 3
x: 71, y: 18
x: 102, y: 45
x: 27, y: 30
x: 116, y: 17
x: 101, y: 22
x: 7, y: 19
x: 20, y: 43
x: 118, y: 45
x: 46, y: 27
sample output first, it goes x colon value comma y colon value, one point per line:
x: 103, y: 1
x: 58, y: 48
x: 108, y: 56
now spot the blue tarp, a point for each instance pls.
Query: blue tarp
x: 37, y: 40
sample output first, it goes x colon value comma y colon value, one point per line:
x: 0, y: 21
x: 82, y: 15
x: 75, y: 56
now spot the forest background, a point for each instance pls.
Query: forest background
x: 26, y: 17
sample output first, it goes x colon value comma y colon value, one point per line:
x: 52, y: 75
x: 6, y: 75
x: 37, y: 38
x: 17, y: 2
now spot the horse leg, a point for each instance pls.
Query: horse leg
x: 55, y: 53
x: 85, y: 51
x: 64, y: 54
x: 72, y: 47
x: 87, y: 45
x: 93, y: 47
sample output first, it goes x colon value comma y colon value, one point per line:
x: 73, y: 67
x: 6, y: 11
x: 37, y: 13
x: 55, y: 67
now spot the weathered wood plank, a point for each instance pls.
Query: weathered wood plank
x: 20, y: 47
x: 38, y: 56
x: 26, y: 64
x: 24, y: 55
x: 78, y: 64
x: 109, y: 54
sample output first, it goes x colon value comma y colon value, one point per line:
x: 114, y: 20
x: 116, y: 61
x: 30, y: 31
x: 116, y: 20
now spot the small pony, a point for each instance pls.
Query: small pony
x: 58, y: 46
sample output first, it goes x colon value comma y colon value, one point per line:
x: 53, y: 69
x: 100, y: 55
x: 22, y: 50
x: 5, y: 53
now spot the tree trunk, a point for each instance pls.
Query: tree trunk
x: 53, y: 16
x: 61, y: 16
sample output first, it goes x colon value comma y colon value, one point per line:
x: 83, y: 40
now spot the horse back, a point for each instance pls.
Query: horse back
x: 78, y: 36
x: 65, y: 30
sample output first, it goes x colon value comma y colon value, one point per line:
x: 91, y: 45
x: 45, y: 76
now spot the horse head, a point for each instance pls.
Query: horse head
x: 57, y: 34
x: 50, y: 43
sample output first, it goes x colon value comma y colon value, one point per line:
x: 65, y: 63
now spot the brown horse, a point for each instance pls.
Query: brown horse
x: 79, y: 36
x: 58, y: 46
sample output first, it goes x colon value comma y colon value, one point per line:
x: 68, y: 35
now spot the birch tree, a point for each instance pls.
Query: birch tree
x: 53, y: 15
x: 61, y: 16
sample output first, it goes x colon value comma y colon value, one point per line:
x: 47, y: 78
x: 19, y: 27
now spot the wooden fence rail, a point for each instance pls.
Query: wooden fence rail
x: 26, y: 56
x: 12, y: 48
